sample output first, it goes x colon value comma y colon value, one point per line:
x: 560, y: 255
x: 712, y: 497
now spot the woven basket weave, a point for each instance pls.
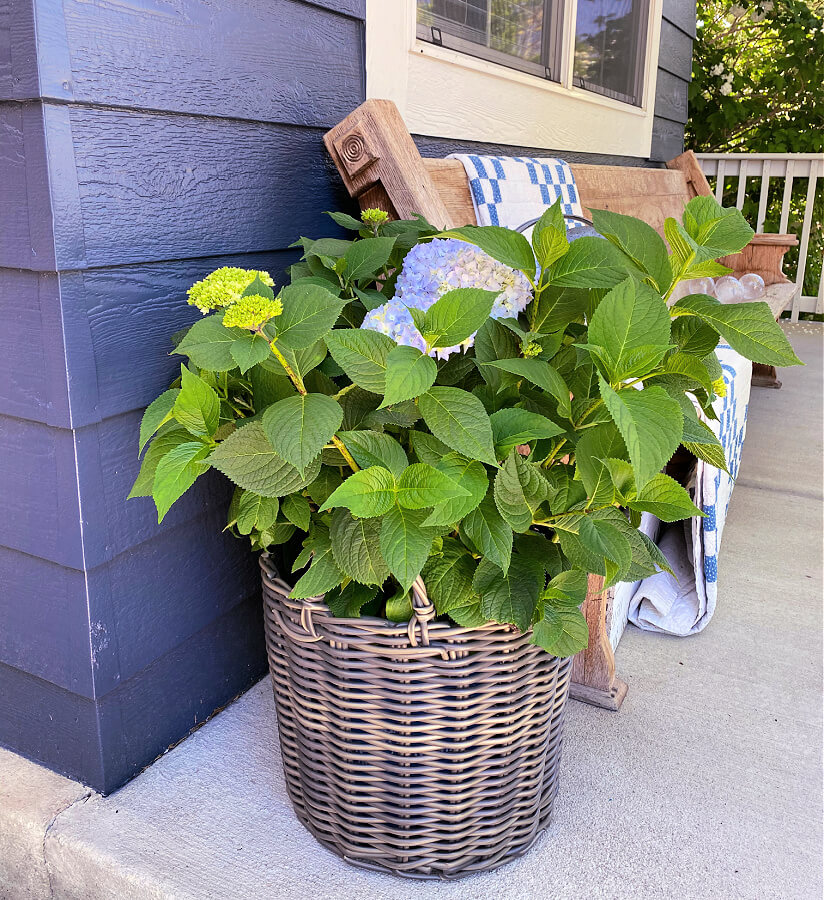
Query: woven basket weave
x: 425, y: 750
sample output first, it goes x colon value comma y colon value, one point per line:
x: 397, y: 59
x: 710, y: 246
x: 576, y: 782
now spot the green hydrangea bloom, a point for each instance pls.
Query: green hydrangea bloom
x: 374, y: 217
x: 224, y: 287
x: 252, y: 312
x: 533, y: 348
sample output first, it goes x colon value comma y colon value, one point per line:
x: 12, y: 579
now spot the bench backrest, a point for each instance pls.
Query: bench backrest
x: 381, y: 166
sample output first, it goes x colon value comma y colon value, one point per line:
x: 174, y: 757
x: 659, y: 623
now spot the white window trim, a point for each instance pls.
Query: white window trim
x: 444, y: 93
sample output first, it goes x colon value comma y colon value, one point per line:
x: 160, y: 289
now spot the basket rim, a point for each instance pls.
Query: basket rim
x: 386, y: 628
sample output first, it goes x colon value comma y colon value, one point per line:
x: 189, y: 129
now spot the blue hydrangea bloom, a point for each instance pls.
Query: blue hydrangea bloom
x: 432, y: 269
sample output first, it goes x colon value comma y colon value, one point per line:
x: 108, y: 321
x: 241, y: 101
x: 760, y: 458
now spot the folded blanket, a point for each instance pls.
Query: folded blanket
x: 685, y: 606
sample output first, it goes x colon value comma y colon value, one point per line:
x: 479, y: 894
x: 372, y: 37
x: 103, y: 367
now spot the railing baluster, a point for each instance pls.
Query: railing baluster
x: 805, y: 239
x: 762, y: 197
x: 742, y: 184
x: 719, y: 180
x: 819, y: 303
x: 785, y: 200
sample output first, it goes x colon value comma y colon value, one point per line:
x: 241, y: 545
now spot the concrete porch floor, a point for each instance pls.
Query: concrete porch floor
x: 707, y: 783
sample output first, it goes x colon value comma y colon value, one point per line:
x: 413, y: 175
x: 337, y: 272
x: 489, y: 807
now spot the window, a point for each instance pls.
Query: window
x: 521, y: 34
x: 610, y: 38
x: 610, y: 44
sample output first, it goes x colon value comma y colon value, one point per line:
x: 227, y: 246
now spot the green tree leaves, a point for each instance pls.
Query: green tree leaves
x: 176, y: 472
x: 455, y: 316
x: 520, y: 488
x: 362, y: 355
x: 309, y: 312
x: 196, y: 406
x: 356, y: 547
x: 409, y: 373
x: 405, y: 543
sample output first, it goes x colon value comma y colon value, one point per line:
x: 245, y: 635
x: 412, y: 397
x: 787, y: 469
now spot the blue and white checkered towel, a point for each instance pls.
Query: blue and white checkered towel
x: 512, y: 190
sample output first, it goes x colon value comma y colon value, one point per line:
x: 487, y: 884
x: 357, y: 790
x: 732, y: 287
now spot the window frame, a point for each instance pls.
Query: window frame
x: 445, y: 93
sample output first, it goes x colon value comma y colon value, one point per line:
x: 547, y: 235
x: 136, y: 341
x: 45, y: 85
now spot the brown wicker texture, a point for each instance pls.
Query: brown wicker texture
x: 425, y: 750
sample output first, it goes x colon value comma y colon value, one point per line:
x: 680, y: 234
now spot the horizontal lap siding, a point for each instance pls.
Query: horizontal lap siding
x: 151, y: 144
x: 674, y: 75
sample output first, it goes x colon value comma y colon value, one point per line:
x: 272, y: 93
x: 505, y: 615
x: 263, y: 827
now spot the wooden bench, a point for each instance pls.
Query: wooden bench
x: 381, y: 166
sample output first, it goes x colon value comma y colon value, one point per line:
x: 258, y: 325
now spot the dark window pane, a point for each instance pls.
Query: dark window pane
x: 515, y: 33
x: 610, y: 42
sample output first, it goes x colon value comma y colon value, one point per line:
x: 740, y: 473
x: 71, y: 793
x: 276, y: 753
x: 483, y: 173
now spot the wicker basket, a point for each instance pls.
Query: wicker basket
x: 425, y: 750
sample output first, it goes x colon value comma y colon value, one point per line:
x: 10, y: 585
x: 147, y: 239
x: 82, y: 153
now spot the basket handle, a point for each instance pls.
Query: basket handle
x: 423, y: 612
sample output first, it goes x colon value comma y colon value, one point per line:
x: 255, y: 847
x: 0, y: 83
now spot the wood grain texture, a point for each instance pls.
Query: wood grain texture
x: 105, y: 742
x: 671, y: 97
x: 667, y: 139
x: 25, y: 206
x: 18, y: 54
x: 675, y: 52
x: 682, y: 14
x: 156, y: 187
x: 267, y: 60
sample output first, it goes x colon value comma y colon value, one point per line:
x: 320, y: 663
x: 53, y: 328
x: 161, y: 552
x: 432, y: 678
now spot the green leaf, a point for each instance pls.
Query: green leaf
x: 590, y: 263
x: 176, y: 472
x: 514, y: 426
x: 323, y: 574
x: 248, y: 459
x: 690, y: 367
x: 549, y: 236
x: 640, y: 242
x: 249, y: 350
x: 297, y: 510
x: 490, y: 534
x: 371, y: 299
x: 362, y: 354
x: 562, y: 631
x: 367, y: 493
x: 356, y: 546
x: 468, y: 474
x: 555, y: 308
x: 569, y: 586
x: 459, y: 419
x: 254, y: 511
x: 428, y: 448
x: 748, y: 328
x: 302, y: 361
x: 507, y: 246
x: 367, y: 257
x: 596, y: 445
x: 719, y: 231
x: 298, y: 427
x: 655, y: 553
x: 369, y: 448
x: 541, y: 374
x: 309, y: 312
x: 258, y: 287
x: 409, y: 373
x: 562, y: 491
x: 158, y: 412
x: 399, y: 606
x: 421, y: 485
x: 470, y: 614
x: 630, y: 316
x: 623, y: 478
x: 347, y: 602
x: 197, y: 406
x: 208, y: 344
x: 709, y: 453
x: 169, y: 437
x: 269, y: 385
x: 345, y: 221
x: 605, y: 541
x: 665, y: 498
x: 321, y: 489
x: 651, y: 424
x: 405, y: 543
x: 519, y: 490
x: 511, y: 597
x: 495, y: 341
x: 693, y: 336
x: 448, y: 577
x: 456, y: 315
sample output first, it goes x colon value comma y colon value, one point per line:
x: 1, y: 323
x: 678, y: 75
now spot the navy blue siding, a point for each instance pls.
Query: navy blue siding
x: 142, y: 145
x: 674, y: 75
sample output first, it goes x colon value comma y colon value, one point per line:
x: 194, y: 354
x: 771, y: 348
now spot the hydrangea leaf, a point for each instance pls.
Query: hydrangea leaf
x: 541, y: 374
x: 591, y: 262
x: 367, y: 493
x: 405, y: 543
x: 208, y: 344
x: 362, y: 355
x: 562, y: 631
x: 158, y: 412
x: 176, y: 472
x: 456, y: 315
x: 309, y: 312
x: 489, y: 533
x: 596, y: 445
x: 511, y: 596
x: 448, y: 576
x: 248, y: 459
x: 254, y: 511
x: 248, y: 350
x: 297, y: 510
x: 421, y: 485
x: 366, y: 258
x: 197, y: 406
x: 428, y: 448
x: 508, y: 247
x: 356, y: 547
x: 347, y: 602
x: 651, y: 424
x: 468, y: 474
x: 370, y: 448
x: 459, y: 419
x: 409, y: 373
x: 665, y: 498
x: 169, y: 437
x: 323, y: 574
x: 299, y: 427
x: 514, y: 426
x: 520, y: 488
x: 640, y: 242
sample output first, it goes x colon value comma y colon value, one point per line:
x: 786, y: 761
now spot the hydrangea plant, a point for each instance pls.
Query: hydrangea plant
x: 487, y: 413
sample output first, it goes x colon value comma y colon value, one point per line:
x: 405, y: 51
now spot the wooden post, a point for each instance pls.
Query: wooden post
x: 381, y: 166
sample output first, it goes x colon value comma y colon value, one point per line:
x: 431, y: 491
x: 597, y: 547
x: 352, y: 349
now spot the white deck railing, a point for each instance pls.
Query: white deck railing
x: 769, y: 169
